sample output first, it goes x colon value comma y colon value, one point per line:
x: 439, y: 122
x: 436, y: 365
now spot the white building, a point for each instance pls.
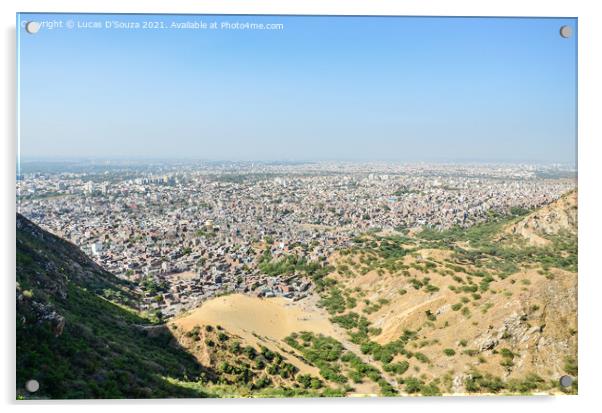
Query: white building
x: 96, y: 248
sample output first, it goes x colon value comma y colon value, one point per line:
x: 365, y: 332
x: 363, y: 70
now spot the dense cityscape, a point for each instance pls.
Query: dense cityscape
x: 188, y: 231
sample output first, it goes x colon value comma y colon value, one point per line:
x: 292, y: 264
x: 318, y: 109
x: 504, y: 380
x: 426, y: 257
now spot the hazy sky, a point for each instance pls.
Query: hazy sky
x: 365, y: 88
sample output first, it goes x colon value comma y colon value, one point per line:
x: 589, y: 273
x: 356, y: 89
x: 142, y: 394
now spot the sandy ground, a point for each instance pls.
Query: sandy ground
x: 266, y: 321
x: 261, y: 321
x: 271, y: 317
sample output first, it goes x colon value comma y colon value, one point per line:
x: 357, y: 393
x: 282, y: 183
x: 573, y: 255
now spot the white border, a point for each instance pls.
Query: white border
x: 590, y: 205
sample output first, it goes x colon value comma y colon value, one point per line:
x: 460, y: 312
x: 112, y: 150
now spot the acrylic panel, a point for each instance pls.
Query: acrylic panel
x: 295, y: 206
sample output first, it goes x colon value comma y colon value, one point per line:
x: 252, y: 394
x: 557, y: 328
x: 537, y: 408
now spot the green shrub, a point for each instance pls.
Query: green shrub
x: 397, y: 368
x: 570, y: 366
x: 430, y: 390
x: 413, y: 385
x: 421, y: 357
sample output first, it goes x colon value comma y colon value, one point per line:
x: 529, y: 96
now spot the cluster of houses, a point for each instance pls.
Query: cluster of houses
x: 201, y: 231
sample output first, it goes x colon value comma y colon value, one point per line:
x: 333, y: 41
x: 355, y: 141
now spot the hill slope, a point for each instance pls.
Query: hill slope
x: 76, y: 342
x: 550, y: 220
x: 485, y: 302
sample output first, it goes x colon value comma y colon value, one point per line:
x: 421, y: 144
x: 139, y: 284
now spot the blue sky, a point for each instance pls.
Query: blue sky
x: 348, y: 88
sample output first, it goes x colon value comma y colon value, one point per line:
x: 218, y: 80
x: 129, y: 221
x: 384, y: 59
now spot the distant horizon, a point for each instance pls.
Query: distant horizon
x: 300, y: 160
x: 80, y: 162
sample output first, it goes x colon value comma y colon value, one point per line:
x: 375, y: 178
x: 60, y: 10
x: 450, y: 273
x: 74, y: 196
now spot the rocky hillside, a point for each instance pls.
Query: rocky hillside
x: 491, y: 311
x: 552, y: 219
x: 78, y: 335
